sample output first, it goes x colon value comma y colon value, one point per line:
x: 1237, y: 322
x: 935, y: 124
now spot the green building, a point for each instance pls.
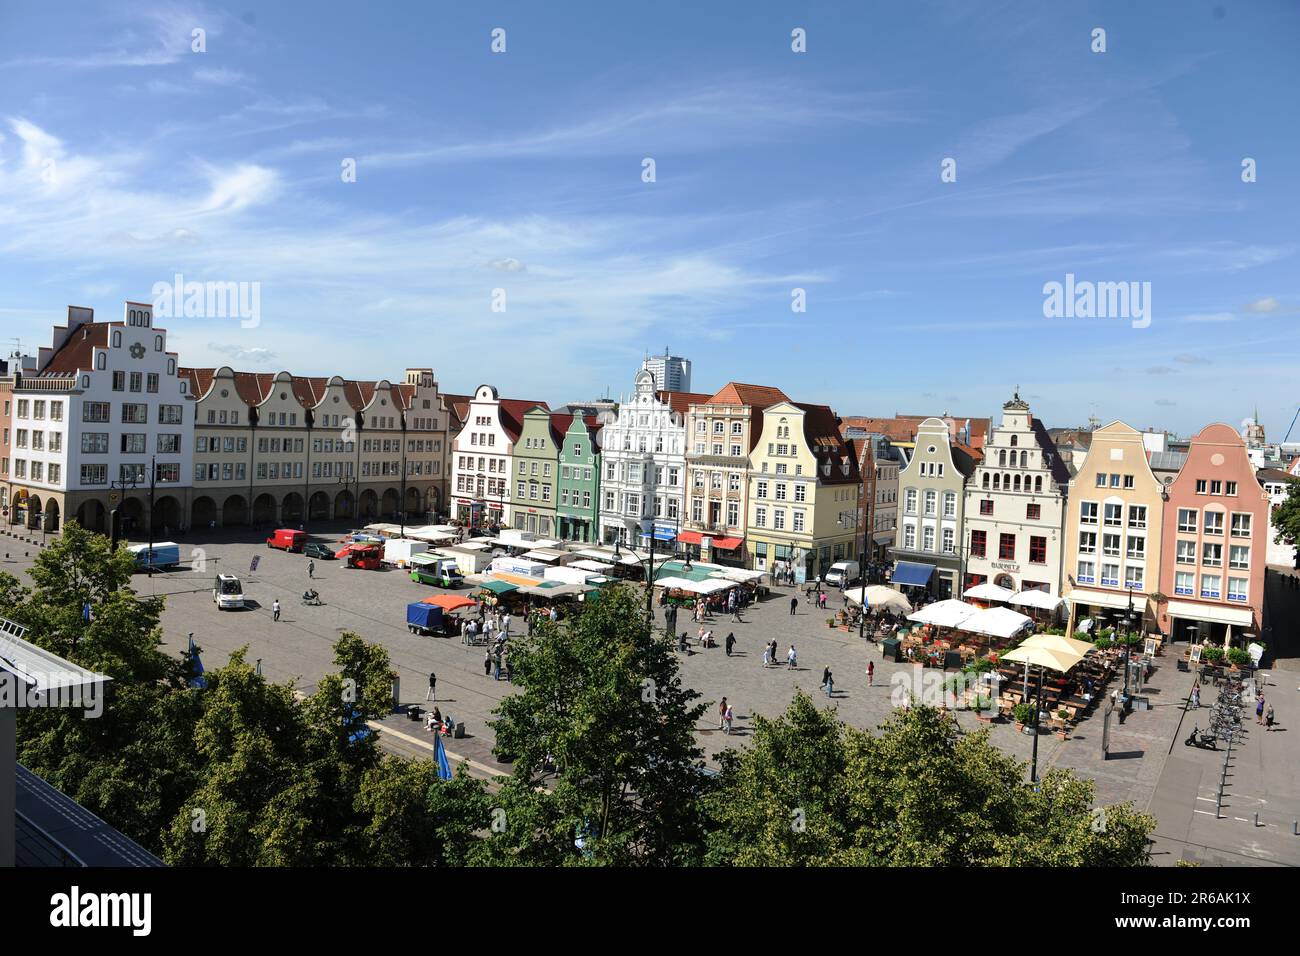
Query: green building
x: 579, y: 490
x: 533, y: 488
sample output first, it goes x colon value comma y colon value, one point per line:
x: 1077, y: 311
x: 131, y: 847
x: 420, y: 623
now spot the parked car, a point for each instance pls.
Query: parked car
x: 315, y: 549
x: 286, y: 539
x: 228, y: 592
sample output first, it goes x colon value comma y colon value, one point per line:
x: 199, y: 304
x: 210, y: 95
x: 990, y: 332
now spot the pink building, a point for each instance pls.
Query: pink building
x: 1214, y: 543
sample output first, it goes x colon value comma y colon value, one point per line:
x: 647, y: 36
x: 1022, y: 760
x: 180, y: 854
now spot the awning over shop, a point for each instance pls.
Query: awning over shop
x: 727, y: 544
x: 1111, y: 599
x: 913, y: 573
x: 1217, y: 614
x: 690, y: 537
x: 498, y: 587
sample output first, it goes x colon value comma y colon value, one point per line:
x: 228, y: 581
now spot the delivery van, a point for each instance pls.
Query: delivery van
x: 438, y: 570
x: 842, y: 574
x: 286, y: 539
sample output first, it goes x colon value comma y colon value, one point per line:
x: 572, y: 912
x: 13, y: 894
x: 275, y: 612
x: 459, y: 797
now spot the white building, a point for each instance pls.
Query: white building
x: 105, y: 416
x: 643, y: 454
x: 1277, y: 485
x: 672, y: 372
x: 1015, y: 506
x: 483, y: 457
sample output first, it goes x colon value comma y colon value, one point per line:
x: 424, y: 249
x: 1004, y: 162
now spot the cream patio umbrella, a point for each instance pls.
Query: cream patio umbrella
x: 1058, y: 642
x: 1040, y: 657
x: 878, y: 595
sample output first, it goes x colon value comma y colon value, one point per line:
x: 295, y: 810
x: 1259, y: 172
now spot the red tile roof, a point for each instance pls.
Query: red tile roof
x: 681, y: 402
x: 512, y: 413
x: 200, y: 379
x: 756, y: 396
x: 77, y: 353
x: 821, y: 430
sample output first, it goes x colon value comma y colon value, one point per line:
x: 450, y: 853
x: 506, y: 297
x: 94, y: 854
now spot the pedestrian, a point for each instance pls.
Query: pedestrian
x: 496, y: 666
x: 792, y: 658
x: 731, y: 642
x: 767, y: 654
x: 794, y: 603
x: 555, y: 615
x: 275, y: 610
x: 311, y: 569
x: 1259, y: 710
x: 871, y: 672
x: 826, y: 675
x: 726, y: 719
x: 487, y: 663
x: 1268, y: 718
x: 1196, y: 696
x: 433, y: 687
x: 505, y: 663
x: 830, y: 683
x: 722, y: 713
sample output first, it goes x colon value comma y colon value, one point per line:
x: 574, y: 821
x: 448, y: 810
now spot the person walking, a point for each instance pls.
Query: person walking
x: 726, y: 720
x: 1196, y: 697
x: 496, y: 665
x: 826, y: 676
x: 830, y: 683
x: 871, y: 672
x: 433, y: 687
x: 1268, y: 718
x: 275, y: 610
x: 792, y: 658
x: 1259, y: 710
x: 731, y: 642
x: 722, y: 713
x: 794, y: 604
x: 311, y: 569
x: 487, y: 663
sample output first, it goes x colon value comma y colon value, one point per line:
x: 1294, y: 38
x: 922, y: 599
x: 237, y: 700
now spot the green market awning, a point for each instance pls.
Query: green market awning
x: 499, y: 587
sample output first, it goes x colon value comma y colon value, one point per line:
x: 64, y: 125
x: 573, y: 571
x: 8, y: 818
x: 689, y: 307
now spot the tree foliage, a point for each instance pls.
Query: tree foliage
x: 1286, y: 516
x: 921, y: 792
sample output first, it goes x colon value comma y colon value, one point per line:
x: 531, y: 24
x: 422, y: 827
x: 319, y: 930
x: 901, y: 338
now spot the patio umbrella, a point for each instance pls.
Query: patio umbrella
x: 878, y: 595
x: 1040, y: 657
x: 1057, y: 642
x: 988, y: 592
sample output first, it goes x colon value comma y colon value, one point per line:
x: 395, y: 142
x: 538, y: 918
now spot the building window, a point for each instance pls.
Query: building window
x: 1087, y: 512
x: 949, y: 536
x: 1033, y: 512
x: 1113, y: 515
x: 978, y: 543
x: 1239, y: 557
x: 1137, y: 516
x: 760, y: 517
x: 1110, y: 575
x: 1087, y: 572
x: 1134, y: 577
x: 1007, y: 547
x: 1186, y: 552
x: 1212, y: 555
x: 950, y: 504
x: 1184, y: 582
x: 927, y: 536
x: 1241, y: 526
x: 1210, y: 586
x: 1214, y: 522
x: 1087, y: 542
x: 1237, y: 588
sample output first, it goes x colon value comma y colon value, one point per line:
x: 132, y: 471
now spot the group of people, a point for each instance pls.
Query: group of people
x: 496, y: 660
x: 770, y: 655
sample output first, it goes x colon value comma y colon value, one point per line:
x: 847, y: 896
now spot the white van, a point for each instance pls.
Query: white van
x: 228, y: 593
x: 842, y: 573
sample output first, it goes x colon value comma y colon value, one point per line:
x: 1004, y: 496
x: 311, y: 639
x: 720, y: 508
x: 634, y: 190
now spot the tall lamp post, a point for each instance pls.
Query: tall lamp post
x: 649, y: 573
x: 1129, y: 618
x: 123, y: 485
x: 862, y: 563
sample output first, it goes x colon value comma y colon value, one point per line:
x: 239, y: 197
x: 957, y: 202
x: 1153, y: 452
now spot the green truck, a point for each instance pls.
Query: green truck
x: 436, y: 569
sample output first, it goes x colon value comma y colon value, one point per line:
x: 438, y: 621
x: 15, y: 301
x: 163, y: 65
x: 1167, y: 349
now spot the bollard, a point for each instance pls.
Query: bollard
x: 1256, y: 818
x: 1295, y: 827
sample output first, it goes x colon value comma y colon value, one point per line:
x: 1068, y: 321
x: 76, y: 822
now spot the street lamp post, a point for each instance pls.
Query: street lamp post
x: 649, y: 575
x: 119, y: 484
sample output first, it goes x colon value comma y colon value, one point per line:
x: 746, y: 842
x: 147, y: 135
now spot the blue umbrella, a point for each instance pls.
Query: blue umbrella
x: 440, y: 755
x: 198, y: 680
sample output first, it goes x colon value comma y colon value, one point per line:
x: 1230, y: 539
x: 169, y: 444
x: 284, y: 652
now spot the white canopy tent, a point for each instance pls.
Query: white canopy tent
x: 1034, y: 598
x: 996, y: 622
x: 696, y: 587
x: 743, y: 575
x: 949, y: 613
x: 587, y: 564
x: 988, y: 591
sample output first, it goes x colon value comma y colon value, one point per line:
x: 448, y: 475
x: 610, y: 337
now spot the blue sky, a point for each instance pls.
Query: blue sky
x: 125, y: 158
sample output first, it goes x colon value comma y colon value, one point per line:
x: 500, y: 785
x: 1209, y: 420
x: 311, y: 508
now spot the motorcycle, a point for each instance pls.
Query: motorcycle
x: 1204, y: 739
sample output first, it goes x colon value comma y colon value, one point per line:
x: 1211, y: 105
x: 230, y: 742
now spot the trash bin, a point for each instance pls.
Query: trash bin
x: 891, y: 649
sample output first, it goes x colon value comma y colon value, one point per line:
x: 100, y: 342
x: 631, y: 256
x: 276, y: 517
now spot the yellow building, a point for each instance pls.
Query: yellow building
x: 1112, y: 532
x: 803, y: 487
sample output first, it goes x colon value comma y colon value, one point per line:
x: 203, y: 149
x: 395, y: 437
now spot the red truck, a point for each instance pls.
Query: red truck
x: 286, y: 539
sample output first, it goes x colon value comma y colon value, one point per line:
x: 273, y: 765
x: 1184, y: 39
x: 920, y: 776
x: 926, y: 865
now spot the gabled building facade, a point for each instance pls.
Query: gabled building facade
x: 535, y: 486
x: 578, y: 510
x: 803, y: 491
x: 1015, y: 506
x: 1112, y: 530
x: 1215, y: 542
x: 721, y: 432
x: 103, y: 417
x: 932, y: 491
x: 483, y: 455
x: 643, y: 462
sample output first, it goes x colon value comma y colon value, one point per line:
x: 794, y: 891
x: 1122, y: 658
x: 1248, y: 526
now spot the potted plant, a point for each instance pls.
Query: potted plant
x: 981, y: 704
x: 830, y: 622
x: 1211, y: 654
x: 1023, y: 715
x: 1238, y: 657
x: 1064, y: 730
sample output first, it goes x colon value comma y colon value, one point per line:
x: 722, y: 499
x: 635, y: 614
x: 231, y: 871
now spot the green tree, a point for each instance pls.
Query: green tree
x: 413, y: 818
x: 602, y: 703
x: 921, y: 792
